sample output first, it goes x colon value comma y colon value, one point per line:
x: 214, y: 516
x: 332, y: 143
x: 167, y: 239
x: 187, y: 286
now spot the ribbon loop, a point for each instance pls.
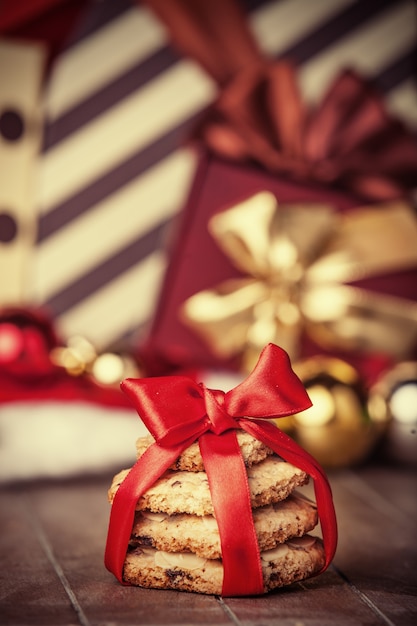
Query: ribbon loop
x: 171, y: 407
x: 174, y: 408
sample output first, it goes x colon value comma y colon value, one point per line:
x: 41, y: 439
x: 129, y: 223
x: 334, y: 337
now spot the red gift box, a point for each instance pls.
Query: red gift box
x: 197, y: 262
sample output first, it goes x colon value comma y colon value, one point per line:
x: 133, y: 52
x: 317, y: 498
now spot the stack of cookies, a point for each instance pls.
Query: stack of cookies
x: 175, y: 542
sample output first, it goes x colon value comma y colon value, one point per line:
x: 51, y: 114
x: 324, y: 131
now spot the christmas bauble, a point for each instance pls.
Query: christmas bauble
x: 337, y: 429
x: 394, y: 399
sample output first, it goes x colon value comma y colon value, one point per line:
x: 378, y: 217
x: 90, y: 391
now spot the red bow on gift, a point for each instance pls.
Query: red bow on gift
x: 178, y: 411
x: 349, y: 141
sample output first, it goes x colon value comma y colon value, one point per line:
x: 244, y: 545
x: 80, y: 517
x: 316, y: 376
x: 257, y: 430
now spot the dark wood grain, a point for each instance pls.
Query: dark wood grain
x: 52, y: 573
x: 377, y: 552
x: 30, y: 591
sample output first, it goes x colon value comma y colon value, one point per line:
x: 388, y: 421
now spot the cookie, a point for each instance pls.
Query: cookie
x: 274, y: 524
x: 270, y: 481
x: 253, y: 451
x: 295, y: 560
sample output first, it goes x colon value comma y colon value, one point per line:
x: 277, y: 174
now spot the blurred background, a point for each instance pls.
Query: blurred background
x: 95, y: 109
x: 105, y: 142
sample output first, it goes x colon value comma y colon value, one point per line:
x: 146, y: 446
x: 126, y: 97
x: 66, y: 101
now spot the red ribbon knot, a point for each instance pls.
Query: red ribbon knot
x: 220, y: 420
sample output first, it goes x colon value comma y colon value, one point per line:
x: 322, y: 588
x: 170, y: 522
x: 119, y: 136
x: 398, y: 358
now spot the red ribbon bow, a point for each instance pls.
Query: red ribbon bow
x: 178, y: 411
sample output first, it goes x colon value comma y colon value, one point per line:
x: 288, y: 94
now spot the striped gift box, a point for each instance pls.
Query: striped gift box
x: 114, y: 172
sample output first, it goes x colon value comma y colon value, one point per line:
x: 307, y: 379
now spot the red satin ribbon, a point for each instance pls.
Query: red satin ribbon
x: 349, y: 141
x: 178, y: 411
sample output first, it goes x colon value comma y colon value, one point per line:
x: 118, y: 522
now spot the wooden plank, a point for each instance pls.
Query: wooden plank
x: 323, y: 601
x: 377, y: 552
x: 30, y: 590
x: 52, y: 546
x: 74, y: 517
x: 396, y: 486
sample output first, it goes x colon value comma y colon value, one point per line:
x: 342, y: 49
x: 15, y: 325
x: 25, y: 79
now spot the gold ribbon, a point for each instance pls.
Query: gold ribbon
x: 296, y: 261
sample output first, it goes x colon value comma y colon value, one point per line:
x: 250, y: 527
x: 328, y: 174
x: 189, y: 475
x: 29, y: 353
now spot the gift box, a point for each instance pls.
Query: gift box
x: 198, y: 263
x: 178, y: 413
x: 338, y: 177
x: 201, y: 265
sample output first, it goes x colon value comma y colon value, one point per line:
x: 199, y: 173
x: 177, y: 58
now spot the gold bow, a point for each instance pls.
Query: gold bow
x: 296, y: 262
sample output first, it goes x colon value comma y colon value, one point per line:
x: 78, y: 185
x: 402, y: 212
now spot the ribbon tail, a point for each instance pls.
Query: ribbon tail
x: 233, y: 512
x: 146, y: 471
x: 289, y: 450
x: 215, y: 34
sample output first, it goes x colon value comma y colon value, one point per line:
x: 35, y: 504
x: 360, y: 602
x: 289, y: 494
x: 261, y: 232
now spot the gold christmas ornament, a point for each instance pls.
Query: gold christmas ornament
x: 296, y: 261
x: 80, y: 357
x: 394, y: 399
x: 337, y: 430
x: 76, y: 356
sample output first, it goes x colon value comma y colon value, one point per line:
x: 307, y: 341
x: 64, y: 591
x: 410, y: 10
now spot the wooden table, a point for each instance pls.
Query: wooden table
x: 52, y: 543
